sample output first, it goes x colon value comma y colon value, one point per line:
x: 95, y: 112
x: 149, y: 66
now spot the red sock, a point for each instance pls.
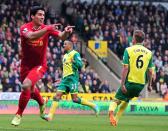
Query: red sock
x: 36, y: 96
x: 23, y: 100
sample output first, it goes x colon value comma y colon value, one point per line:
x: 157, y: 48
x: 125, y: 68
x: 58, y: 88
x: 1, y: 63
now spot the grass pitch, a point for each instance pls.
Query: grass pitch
x: 85, y: 123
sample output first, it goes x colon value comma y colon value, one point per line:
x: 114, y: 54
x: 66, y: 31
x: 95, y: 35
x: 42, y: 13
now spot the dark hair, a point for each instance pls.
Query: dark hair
x: 34, y: 10
x: 139, y: 36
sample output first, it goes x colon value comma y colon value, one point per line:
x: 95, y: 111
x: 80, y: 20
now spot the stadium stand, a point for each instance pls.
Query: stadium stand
x: 12, y: 17
x: 115, y: 23
x: 111, y: 22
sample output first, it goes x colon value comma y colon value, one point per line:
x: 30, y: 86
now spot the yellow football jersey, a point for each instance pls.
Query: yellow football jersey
x: 139, y: 59
x: 71, y: 63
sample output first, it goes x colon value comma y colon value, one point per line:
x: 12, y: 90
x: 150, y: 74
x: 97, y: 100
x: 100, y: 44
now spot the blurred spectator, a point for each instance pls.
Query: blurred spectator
x: 158, y: 62
x: 165, y: 70
x: 160, y: 82
x: 74, y: 39
x: 163, y: 89
x: 165, y: 97
x: 87, y: 87
x: 98, y: 36
x: 104, y: 88
x: 17, y: 86
x: 6, y: 86
x: 96, y: 78
x: 95, y: 87
x: 40, y: 86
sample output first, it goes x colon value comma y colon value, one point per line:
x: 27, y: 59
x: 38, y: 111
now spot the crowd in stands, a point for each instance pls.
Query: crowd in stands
x: 14, y: 13
x: 115, y: 23
x: 112, y: 22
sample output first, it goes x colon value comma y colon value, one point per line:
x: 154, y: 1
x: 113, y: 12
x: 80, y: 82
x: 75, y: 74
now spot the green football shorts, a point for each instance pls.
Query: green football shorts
x: 69, y: 84
x: 133, y: 90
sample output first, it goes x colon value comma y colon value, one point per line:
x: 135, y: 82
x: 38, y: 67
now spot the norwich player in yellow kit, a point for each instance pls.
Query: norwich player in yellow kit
x: 72, y: 62
x: 137, y: 61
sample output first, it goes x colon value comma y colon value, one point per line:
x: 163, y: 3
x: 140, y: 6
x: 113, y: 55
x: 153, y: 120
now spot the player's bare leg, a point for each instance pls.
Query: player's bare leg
x: 23, y: 100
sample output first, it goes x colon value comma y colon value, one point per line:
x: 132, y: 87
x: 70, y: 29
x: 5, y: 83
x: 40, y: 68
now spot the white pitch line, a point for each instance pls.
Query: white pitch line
x: 22, y: 129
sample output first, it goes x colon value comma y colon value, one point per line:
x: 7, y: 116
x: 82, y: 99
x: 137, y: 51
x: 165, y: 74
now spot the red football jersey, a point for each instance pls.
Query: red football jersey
x: 33, y: 52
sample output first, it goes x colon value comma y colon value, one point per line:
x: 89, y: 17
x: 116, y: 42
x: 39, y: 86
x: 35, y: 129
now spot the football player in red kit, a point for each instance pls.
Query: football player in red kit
x: 34, y: 40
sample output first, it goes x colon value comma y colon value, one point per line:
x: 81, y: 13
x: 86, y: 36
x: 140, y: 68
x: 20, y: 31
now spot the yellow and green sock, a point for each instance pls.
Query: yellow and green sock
x: 85, y: 102
x: 113, y: 106
x: 122, y: 107
x: 53, y: 108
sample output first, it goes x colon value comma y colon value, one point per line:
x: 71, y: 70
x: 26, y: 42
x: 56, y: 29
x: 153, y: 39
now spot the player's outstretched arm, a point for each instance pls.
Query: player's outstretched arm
x: 37, y: 34
x: 124, y: 70
x: 67, y: 31
x: 150, y: 75
x: 123, y: 78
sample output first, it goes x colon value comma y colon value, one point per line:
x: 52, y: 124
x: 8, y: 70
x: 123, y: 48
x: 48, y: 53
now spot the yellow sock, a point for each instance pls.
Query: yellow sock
x: 87, y: 103
x: 121, y: 109
x: 113, y: 106
x: 53, y: 108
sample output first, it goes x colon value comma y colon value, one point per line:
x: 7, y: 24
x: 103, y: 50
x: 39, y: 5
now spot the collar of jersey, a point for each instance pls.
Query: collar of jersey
x: 69, y: 51
x: 33, y: 27
x: 139, y: 44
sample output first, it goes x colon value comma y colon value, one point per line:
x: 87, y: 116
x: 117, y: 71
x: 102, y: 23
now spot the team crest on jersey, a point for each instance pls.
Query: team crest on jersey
x: 25, y: 30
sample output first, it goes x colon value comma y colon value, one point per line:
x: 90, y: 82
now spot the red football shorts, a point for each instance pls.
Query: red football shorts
x: 34, y: 74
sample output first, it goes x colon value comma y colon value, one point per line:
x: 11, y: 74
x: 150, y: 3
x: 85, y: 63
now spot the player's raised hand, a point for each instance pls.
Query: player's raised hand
x: 69, y: 29
x: 52, y: 27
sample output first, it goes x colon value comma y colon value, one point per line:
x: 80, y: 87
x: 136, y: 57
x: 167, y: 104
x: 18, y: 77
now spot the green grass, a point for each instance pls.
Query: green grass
x: 85, y: 123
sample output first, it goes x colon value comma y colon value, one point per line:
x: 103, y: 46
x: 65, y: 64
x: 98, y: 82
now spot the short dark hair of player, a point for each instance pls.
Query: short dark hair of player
x: 139, y: 36
x: 69, y: 42
x: 34, y: 10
